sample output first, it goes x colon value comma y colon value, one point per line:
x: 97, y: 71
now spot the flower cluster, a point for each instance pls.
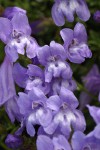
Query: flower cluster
x: 48, y: 99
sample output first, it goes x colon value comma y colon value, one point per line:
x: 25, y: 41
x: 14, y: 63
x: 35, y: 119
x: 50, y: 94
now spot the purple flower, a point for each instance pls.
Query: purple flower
x: 75, y: 43
x: 86, y: 142
x: 53, y: 58
x: 13, y: 141
x: 92, y: 80
x: 33, y: 108
x: 56, y: 143
x: 66, y: 8
x: 16, y: 34
x: 7, y: 87
x: 65, y: 113
x: 97, y: 16
x: 92, y: 84
x: 11, y: 11
x: 95, y: 113
x: 30, y: 78
x: 12, y: 109
x: 58, y: 84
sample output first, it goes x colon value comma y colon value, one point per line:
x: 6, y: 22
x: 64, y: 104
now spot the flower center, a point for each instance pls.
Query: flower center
x: 53, y: 58
x: 35, y: 105
x: 73, y: 5
x: 16, y: 34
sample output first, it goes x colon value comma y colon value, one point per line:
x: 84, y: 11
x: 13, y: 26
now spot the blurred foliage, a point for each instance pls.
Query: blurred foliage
x: 40, y: 10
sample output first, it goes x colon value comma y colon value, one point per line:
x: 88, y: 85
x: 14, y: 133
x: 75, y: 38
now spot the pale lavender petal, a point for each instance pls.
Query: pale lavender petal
x: 67, y: 36
x: 97, y: 131
x: 61, y: 142
x: 34, y: 71
x: 44, y: 116
x: 12, y: 109
x: 68, y: 97
x: 19, y: 74
x: 30, y: 128
x: 7, y: 87
x: 11, y: 11
x: 57, y: 50
x: 78, y: 140
x: 31, y: 48
x: 43, y: 54
x: 24, y: 103
x: 50, y: 129
x: 80, y: 33
x: 37, y: 95
x: 79, y: 123
x: 95, y: 113
x: 20, y: 23
x: 48, y: 75
x: 44, y: 143
x: 65, y: 127
x: 77, y: 54
x: 11, y: 53
x: 83, y: 11
x: 54, y: 102
x: 57, y: 15
x: 5, y: 29
x: 66, y: 71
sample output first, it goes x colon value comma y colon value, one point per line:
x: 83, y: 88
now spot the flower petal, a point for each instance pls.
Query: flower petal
x: 61, y: 142
x: 67, y: 36
x: 68, y: 97
x: 43, y: 54
x: 57, y: 50
x: 7, y: 87
x: 5, y: 29
x: 80, y: 33
x: 57, y: 15
x: 20, y: 23
x: 83, y: 11
x: 77, y: 140
x: 19, y: 74
x: 54, y: 102
x: 95, y: 113
x: 44, y: 143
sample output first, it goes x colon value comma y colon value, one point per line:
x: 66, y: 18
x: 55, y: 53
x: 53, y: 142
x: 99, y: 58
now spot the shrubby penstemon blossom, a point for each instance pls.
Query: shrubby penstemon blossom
x: 33, y: 108
x: 16, y: 34
x: 66, y: 8
x: 75, y: 43
x: 65, y: 113
x: 53, y: 58
x: 30, y: 78
x: 47, y: 99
